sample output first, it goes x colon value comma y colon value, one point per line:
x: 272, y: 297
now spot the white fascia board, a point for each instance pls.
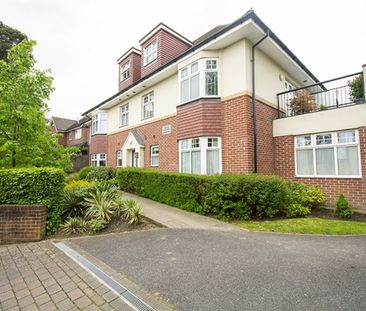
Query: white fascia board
x: 131, y: 50
x: 167, y: 29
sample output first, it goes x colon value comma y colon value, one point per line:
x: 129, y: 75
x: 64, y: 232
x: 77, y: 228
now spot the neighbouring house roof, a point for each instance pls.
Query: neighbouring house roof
x: 64, y: 125
x: 207, y: 38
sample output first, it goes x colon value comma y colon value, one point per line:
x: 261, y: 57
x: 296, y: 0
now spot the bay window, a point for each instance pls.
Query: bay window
x: 99, y: 123
x: 200, y: 155
x: 333, y: 154
x: 99, y: 159
x: 199, y: 79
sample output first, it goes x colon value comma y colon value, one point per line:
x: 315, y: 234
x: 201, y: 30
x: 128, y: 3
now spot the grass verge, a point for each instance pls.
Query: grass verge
x: 310, y: 225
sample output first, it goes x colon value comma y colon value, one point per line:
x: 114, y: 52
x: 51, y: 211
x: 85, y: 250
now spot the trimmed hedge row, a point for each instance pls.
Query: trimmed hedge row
x: 227, y: 196
x: 35, y: 186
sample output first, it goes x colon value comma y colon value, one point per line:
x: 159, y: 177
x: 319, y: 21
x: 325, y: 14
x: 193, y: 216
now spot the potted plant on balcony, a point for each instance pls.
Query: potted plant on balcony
x: 356, y: 92
x: 303, y: 102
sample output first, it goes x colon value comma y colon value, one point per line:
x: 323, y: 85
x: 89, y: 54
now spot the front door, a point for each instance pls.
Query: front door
x: 133, y: 162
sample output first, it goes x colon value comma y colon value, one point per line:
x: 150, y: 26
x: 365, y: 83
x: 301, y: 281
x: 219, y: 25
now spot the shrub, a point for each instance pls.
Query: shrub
x: 74, y: 225
x: 303, y: 102
x: 77, y: 183
x: 97, y: 225
x: 73, y: 202
x: 101, y: 174
x: 342, y: 207
x: 35, y: 186
x: 307, y: 196
x: 70, y: 177
x: 84, y: 172
x: 297, y: 210
x: 356, y: 88
x: 119, y: 205
x: 132, y: 212
x: 100, y: 205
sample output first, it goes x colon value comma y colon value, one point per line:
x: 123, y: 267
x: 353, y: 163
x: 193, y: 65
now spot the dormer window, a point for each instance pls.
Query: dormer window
x: 199, y: 79
x: 150, y: 53
x: 125, y: 72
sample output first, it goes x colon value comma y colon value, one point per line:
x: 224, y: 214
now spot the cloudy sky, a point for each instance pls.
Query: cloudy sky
x: 80, y: 40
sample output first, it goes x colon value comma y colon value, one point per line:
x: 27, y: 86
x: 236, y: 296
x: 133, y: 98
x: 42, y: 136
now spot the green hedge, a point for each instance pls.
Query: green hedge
x: 100, y: 173
x: 226, y: 196
x: 35, y: 186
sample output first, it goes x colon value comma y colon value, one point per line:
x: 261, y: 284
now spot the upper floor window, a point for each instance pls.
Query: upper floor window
x: 124, y: 72
x: 328, y: 154
x: 124, y: 115
x: 154, y: 156
x: 99, y: 123
x: 199, y: 79
x: 119, y: 158
x: 77, y: 133
x: 99, y: 159
x: 150, y: 53
x: 148, y: 106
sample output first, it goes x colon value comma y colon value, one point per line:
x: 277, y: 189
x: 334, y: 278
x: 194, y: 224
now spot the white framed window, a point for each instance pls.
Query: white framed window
x: 99, y: 123
x: 124, y: 115
x: 119, y: 158
x: 70, y: 135
x: 78, y: 133
x: 331, y: 154
x: 98, y: 159
x: 124, y: 72
x: 200, y: 155
x: 154, y: 161
x: 199, y: 79
x: 150, y: 53
x: 148, y: 106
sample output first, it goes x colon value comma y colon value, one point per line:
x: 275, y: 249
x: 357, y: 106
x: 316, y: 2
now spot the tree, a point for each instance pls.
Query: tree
x: 25, y: 139
x: 356, y: 88
x: 8, y: 38
x: 303, y: 102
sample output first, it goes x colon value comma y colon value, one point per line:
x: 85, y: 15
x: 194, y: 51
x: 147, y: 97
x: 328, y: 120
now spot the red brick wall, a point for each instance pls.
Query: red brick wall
x: 99, y: 144
x: 168, y: 48
x: 22, y: 223
x: 353, y: 188
x: 135, y: 70
x: 199, y: 118
x: 152, y: 135
x: 237, y: 137
x: 73, y: 141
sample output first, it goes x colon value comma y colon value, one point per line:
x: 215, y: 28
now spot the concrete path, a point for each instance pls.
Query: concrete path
x: 176, y: 218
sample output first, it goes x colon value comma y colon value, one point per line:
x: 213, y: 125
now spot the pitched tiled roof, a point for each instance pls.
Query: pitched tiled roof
x: 208, y: 34
x: 63, y: 124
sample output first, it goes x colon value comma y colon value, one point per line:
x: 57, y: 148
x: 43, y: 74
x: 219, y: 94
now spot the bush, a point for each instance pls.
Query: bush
x: 97, y: 225
x: 35, y: 186
x: 297, y: 210
x: 101, y: 174
x: 77, y: 183
x: 74, y: 225
x: 132, y: 212
x: 342, y: 207
x: 100, y: 205
x: 84, y: 172
x: 225, y: 196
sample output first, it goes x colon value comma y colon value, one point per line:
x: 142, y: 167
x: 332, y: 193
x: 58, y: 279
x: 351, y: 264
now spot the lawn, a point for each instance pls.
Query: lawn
x: 310, y: 225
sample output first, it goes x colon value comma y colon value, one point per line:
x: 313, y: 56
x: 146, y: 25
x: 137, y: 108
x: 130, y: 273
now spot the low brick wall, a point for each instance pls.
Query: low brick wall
x: 22, y: 223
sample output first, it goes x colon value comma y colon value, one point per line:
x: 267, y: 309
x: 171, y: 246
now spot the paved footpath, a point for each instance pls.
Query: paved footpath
x: 38, y: 276
x: 176, y: 218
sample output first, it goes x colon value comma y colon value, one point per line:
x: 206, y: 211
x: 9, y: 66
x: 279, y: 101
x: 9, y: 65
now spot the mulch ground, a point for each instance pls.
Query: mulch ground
x: 329, y: 214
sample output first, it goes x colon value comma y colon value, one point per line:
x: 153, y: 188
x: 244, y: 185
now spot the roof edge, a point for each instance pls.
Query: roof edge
x: 130, y: 51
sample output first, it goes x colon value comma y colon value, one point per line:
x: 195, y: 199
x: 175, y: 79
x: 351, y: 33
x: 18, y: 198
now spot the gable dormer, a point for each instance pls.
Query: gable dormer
x: 159, y: 46
x: 129, y: 68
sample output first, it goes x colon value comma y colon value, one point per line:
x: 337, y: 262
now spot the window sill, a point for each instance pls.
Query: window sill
x: 150, y: 63
x: 95, y: 134
x: 124, y: 125
x: 147, y: 118
x: 199, y: 98
x: 329, y: 176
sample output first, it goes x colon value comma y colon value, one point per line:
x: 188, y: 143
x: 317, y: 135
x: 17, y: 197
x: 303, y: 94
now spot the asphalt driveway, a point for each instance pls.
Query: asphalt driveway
x: 214, y: 270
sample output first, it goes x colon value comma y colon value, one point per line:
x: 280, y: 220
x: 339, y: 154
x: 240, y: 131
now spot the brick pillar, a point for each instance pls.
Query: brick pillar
x: 364, y: 80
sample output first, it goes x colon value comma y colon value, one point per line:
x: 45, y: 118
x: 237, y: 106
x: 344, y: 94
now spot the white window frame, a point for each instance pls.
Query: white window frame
x: 124, y: 115
x: 150, y: 53
x: 150, y: 101
x: 119, y: 158
x: 313, y: 146
x: 154, y: 155
x: 99, y: 123
x: 203, y: 148
x: 202, y: 70
x: 96, y: 158
x: 125, y: 72
x: 78, y: 133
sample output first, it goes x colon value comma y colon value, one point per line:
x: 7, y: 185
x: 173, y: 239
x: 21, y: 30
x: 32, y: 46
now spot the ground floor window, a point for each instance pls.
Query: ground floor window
x: 119, y: 158
x: 331, y: 154
x: 154, y: 156
x: 99, y: 159
x: 201, y: 155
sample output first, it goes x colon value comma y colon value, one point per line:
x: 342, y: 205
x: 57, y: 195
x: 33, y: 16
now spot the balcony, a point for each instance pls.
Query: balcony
x: 340, y: 92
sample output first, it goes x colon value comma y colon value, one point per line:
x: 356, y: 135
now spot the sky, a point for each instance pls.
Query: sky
x: 81, y: 40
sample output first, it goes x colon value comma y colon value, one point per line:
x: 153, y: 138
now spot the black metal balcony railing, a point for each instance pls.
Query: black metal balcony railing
x: 335, y: 93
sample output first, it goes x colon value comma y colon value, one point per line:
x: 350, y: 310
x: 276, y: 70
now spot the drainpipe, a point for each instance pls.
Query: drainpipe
x: 254, y: 101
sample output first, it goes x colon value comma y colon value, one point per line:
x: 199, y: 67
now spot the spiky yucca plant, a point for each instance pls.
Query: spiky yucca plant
x: 132, y: 212
x: 99, y: 205
x: 74, y: 225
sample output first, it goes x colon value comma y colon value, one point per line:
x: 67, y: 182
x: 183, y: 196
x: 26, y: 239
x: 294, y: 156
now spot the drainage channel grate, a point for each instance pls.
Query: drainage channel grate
x: 133, y: 301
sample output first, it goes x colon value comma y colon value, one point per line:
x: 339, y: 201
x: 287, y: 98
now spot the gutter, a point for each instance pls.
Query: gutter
x: 254, y: 115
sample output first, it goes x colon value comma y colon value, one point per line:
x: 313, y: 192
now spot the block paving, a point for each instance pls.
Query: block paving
x: 38, y: 276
